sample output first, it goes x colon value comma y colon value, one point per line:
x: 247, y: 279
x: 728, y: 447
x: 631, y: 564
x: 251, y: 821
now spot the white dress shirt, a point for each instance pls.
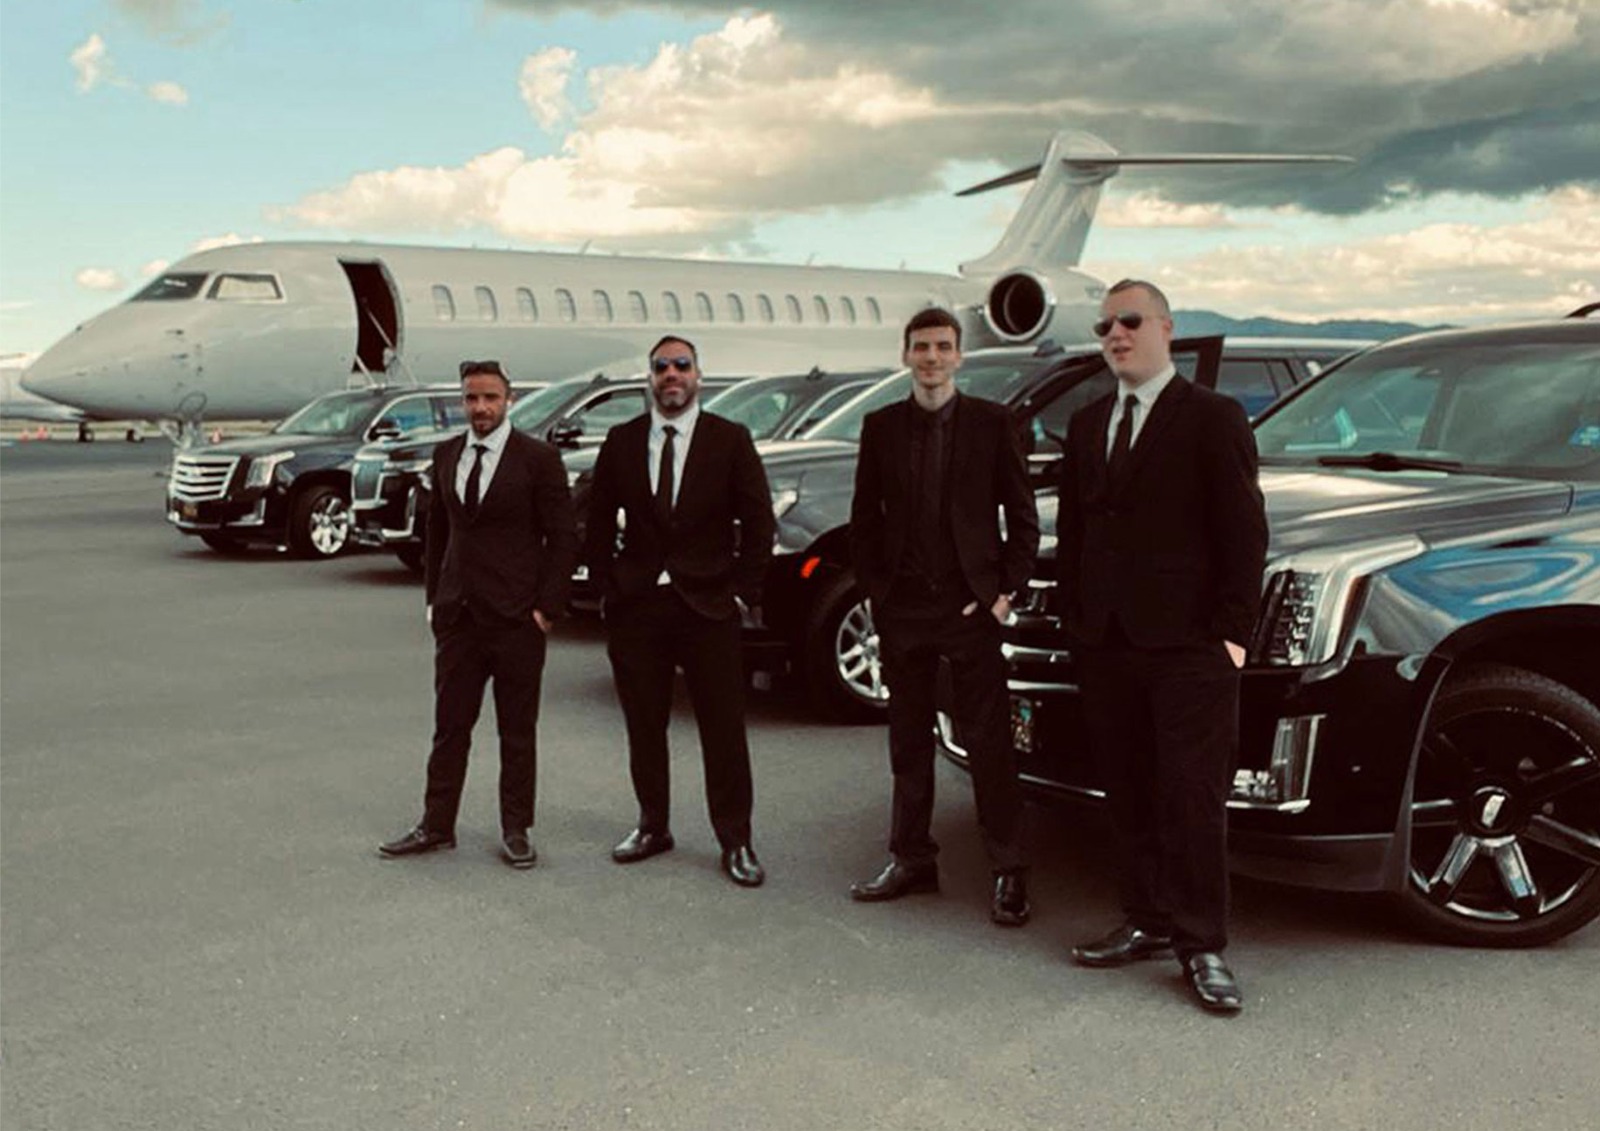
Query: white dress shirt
x: 494, y: 443
x: 684, y: 422
x: 1147, y: 394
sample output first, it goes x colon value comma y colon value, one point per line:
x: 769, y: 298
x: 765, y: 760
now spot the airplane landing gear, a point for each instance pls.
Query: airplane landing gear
x: 85, y: 433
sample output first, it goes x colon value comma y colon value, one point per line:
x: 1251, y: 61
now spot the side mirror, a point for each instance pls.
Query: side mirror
x: 384, y: 430
x: 565, y: 433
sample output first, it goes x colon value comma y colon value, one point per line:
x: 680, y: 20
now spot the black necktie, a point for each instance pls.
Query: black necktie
x: 669, y: 463
x: 1123, y: 440
x: 474, y: 476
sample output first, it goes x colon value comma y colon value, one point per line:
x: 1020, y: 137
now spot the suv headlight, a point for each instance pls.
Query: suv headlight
x: 1308, y: 596
x: 262, y: 467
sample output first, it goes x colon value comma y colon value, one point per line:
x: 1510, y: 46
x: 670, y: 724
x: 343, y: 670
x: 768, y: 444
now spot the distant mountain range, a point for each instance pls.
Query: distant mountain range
x: 1197, y: 323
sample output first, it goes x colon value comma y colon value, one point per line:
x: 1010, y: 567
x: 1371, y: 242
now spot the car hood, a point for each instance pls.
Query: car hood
x: 796, y: 455
x: 1318, y: 506
x: 275, y: 442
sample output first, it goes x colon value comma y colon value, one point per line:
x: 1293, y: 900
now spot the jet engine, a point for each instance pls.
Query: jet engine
x: 1019, y: 307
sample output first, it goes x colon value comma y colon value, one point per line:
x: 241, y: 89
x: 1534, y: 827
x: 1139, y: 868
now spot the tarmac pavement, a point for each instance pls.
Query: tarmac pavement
x: 200, y: 754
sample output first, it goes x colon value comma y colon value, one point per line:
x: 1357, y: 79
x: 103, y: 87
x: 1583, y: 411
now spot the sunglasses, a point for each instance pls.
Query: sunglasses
x: 471, y: 368
x: 1132, y: 320
x: 681, y: 364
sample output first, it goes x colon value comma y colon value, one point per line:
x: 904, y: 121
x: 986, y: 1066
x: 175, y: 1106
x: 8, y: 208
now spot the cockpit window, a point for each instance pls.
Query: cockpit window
x: 245, y: 288
x: 171, y: 287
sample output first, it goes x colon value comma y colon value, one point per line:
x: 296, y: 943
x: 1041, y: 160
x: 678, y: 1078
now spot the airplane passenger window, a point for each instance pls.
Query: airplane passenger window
x: 170, y: 287
x: 794, y: 308
x: 669, y: 303
x: 637, y: 310
x: 245, y: 288
x: 822, y: 308
x: 702, y: 307
x: 764, y: 305
x: 602, y: 307
x: 874, y: 313
x: 848, y: 309
x: 488, y: 309
x: 735, y: 307
x: 444, y: 304
x: 527, y: 307
x: 566, y: 306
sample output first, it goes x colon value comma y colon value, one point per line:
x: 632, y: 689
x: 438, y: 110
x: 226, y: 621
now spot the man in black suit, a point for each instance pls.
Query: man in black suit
x: 1162, y: 543
x: 935, y: 472
x: 695, y: 540
x: 501, y: 547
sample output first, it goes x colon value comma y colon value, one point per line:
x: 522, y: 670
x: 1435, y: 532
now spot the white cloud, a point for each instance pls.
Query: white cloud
x: 170, y: 93
x: 543, y: 83
x: 1543, y: 265
x: 98, y: 279
x: 231, y: 239
x: 92, y: 62
x: 1150, y: 210
x: 154, y: 267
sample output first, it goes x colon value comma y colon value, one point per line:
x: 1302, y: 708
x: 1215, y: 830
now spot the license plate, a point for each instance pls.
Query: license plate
x: 1022, y: 724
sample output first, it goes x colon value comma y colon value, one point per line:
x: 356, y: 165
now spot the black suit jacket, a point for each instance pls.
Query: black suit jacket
x: 1176, y: 550
x: 517, y: 552
x: 719, y: 540
x: 987, y: 475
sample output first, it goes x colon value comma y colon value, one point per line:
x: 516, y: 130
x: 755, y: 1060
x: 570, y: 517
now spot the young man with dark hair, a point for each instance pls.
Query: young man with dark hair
x: 935, y: 472
x: 694, y: 545
x: 500, y: 552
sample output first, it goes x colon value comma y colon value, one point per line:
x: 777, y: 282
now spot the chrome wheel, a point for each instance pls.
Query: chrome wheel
x: 1505, y: 816
x: 857, y: 657
x: 842, y: 660
x: 319, y: 523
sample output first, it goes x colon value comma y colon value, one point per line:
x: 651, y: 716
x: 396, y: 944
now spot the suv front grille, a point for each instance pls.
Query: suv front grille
x: 197, y: 479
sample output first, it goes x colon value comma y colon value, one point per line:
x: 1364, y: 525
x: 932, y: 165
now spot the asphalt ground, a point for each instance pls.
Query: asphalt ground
x: 198, y: 756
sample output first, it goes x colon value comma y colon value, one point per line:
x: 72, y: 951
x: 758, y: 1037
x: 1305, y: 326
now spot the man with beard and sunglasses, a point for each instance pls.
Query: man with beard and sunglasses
x: 1162, y: 540
x: 676, y: 575
x: 501, y: 546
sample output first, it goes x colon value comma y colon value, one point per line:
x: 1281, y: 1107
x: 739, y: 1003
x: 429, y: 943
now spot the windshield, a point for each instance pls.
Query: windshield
x: 993, y: 381
x: 531, y: 411
x: 337, y: 414
x: 759, y: 405
x: 1493, y: 407
x: 179, y: 285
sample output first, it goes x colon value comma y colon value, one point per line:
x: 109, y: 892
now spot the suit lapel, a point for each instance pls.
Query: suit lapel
x: 633, y: 440
x: 898, y: 434
x: 694, y: 462
x: 1167, y: 407
x: 963, y: 440
x: 501, y: 471
x: 445, y: 473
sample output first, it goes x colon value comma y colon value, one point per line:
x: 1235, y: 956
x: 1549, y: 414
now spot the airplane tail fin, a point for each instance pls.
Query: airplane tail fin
x: 1052, y: 224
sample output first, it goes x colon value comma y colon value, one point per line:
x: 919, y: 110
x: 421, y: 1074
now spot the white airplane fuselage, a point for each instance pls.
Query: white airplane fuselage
x: 543, y: 315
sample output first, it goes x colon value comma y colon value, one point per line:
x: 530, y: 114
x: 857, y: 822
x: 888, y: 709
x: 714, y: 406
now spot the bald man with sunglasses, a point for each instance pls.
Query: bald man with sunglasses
x: 1162, y: 539
x: 675, y: 576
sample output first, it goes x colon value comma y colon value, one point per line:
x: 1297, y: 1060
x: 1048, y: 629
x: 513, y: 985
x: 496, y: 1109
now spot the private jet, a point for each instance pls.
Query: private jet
x: 256, y: 330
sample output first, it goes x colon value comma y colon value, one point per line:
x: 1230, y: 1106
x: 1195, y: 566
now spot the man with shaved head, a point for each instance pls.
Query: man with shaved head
x: 1162, y: 539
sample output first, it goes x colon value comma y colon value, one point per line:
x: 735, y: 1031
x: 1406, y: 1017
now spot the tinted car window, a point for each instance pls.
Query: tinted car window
x: 759, y: 405
x: 409, y: 414
x: 1248, y: 381
x: 610, y: 409
x: 338, y: 414
x: 994, y: 381
x: 1492, y: 407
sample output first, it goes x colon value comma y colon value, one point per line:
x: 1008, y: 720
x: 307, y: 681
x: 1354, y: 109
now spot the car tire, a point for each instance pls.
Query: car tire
x: 222, y: 543
x: 411, y: 557
x: 840, y: 659
x: 1504, y: 848
x: 319, y: 523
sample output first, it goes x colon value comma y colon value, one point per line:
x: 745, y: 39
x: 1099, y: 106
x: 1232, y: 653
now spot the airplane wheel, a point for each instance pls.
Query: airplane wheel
x: 85, y: 434
x: 134, y: 436
x: 319, y: 523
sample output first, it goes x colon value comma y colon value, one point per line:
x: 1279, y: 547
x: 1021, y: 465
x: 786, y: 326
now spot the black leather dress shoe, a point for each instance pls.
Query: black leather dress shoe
x: 517, y: 850
x: 640, y: 845
x: 895, y: 880
x: 1121, y: 946
x: 1213, y: 983
x: 742, y: 867
x: 416, y: 842
x: 1010, y: 907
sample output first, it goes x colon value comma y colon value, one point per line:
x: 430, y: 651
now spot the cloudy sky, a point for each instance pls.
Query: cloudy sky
x: 135, y: 131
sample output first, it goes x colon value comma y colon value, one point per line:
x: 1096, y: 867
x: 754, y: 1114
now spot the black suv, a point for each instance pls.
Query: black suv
x: 392, y: 480
x: 1419, y: 706
x: 291, y: 486
x: 816, y: 621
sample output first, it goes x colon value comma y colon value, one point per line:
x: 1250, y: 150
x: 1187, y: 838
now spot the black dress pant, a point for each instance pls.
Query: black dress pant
x: 648, y: 637
x: 468, y: 653
x: 1164, y: 726
x: 911, y: 648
